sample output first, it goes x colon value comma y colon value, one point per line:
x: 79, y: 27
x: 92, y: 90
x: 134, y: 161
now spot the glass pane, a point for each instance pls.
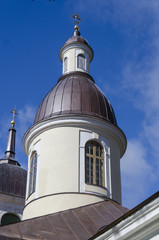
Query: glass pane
x: 101, y: 153
x: 87, y: 179
x: 9, y: 218
x: 95, y: 163
x: 87, y: 149
x: 97, y: 150
x: 35, y: 159
x: 81, y: 62
x: 65, y: 64
x: 87, y: 172
x: 32, y: 175
x: 97, y: 182
x: 31, y: 166
x: 91, y: 180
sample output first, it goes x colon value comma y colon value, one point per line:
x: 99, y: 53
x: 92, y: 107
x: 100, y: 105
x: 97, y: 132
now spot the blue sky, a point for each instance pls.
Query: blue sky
x: 124, y: 35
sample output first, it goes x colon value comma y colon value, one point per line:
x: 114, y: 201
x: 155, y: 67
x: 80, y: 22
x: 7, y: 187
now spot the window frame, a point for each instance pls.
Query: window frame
x: 79, y: 66
x: 32, y: 173
x: 94, y: 164
x: 65, y: 64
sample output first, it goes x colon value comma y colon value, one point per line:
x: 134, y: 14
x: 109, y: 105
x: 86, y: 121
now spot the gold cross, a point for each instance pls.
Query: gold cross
x: 14, y: 111
x: 77, y: 21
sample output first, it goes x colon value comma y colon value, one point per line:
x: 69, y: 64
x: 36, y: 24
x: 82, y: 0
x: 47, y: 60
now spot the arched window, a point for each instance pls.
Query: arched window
x: 32, y: 173
x: 81, y: 62
x: 94, y: 164
x: 65, y: 64
x: 9, y: 218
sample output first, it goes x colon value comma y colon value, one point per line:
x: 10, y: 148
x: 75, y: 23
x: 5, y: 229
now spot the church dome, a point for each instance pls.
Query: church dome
x: 12, y: 179
x: 75, y: 94
x: 76, y: 38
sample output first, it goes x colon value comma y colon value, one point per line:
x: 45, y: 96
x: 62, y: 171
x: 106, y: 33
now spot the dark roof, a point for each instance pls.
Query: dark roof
x: 75, y: 94
x: 129, y: 213
x: 12, y: 179
x: 79, y: 223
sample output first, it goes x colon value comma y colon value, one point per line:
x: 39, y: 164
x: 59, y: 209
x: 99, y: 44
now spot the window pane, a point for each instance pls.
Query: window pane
x: 9, y: 218
x: 94, y: 163
x: 87, y: 149
x: 65, y: 64
x: 81, y: 61
x: 32, y: 174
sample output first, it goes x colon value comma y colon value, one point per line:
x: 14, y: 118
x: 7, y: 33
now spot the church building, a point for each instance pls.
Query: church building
x: 74, y: 147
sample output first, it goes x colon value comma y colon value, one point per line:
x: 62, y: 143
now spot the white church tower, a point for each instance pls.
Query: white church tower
x: 74, y: 146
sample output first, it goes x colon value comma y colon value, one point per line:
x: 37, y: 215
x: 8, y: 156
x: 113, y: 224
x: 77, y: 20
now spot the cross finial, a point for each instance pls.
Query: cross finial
x: 14, y: 112
x: 76, y: 21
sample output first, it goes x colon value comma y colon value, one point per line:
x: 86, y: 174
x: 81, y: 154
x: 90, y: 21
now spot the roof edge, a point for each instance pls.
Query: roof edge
x: 129, y: 213
x: 76, y: 73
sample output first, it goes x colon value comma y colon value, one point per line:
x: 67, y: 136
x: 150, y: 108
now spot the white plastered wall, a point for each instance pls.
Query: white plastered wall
x: 71, y: 52
x: 61, y: 164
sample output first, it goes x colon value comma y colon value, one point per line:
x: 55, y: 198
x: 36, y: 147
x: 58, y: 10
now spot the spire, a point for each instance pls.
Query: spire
x: 10, y: 150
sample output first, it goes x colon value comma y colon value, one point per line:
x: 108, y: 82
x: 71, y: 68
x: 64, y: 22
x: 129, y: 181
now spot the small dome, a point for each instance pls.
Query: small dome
x: 75, y: 94
x: 12, y: 179
x: 76, y: 38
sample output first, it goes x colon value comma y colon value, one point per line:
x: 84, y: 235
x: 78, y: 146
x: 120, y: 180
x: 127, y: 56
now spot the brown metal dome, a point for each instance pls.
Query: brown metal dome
x: 12, y: 179
x: 75, y: 94
x: 76, y: 38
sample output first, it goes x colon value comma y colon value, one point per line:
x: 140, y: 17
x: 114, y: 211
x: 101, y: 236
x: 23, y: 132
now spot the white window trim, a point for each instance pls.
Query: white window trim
x: 78, y: 52
x: 84, y: 137
x: 66, y: 55
x: 36, y: 148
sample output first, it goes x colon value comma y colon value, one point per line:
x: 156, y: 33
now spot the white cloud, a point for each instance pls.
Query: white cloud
x: 140, y: 80
x: 139, y: 21
x: 137, y: 174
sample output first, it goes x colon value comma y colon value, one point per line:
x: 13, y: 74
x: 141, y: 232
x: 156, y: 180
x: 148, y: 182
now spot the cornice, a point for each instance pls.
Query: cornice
x: 75, y: 45
x: 88, y: 122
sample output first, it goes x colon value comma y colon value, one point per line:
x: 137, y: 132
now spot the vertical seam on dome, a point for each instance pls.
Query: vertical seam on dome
x: 63, y: 92
x: 105, y: 104
x: 80, y: 94
x: 113, y: 114
x: 88, y: 83
x: 40, y: 108
x: 2, y: 176
x: 38, y: 113
x: 57, y: 86
x: 47, y: 103
x: 97, y: 98
x: 71, y: 94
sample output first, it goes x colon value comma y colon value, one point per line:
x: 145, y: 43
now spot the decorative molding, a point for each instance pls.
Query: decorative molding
x: 76, y: 121
x: 76, y: 45
x: 84, y: 137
